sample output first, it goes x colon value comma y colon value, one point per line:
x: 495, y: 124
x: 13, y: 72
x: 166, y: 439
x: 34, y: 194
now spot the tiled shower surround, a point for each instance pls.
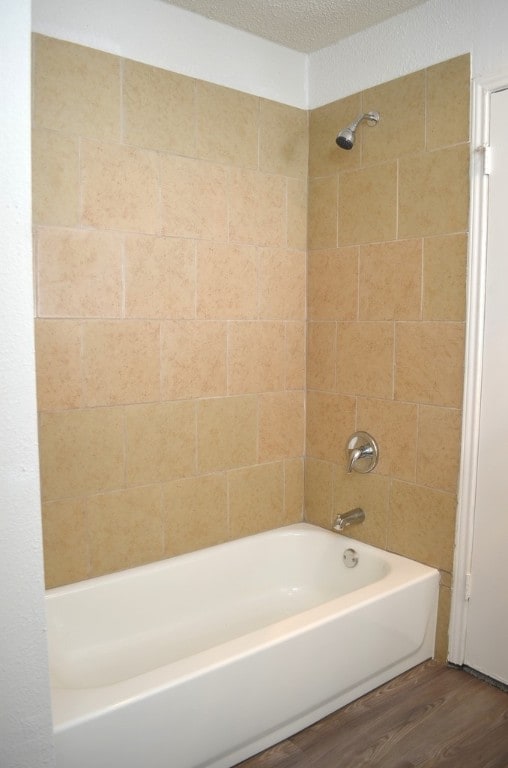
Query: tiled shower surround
x: 386, y: 310
x: 173, y: 271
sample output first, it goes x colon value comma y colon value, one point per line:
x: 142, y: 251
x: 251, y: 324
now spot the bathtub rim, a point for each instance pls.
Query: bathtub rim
x: 293, y: 529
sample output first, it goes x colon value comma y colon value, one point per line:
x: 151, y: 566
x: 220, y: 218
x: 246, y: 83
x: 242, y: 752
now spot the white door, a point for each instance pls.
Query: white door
x: 487, y: 618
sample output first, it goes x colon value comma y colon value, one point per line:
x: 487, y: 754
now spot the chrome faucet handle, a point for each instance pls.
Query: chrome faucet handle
x: 354, y: 455
x: 362, y: 453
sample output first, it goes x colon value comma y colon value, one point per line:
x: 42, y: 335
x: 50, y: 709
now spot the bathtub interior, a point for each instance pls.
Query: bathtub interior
x: 116, y: 627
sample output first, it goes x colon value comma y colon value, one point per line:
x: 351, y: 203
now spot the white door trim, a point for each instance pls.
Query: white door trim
x: 482, y: 89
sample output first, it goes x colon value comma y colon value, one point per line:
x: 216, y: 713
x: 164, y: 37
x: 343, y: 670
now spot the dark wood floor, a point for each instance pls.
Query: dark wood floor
x: 433, y: 716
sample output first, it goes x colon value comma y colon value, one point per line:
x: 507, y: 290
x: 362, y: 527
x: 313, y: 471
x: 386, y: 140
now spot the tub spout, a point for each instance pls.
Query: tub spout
x: 353, y: 517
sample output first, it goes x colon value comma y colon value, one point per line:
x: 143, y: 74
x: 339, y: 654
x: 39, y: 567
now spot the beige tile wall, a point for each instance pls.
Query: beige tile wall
x: 170, y: 241
x: 172, y: 279
x: 386, y: 306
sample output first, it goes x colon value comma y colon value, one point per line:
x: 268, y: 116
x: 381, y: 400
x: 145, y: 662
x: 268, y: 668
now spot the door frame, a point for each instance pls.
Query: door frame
x: 482, y: 89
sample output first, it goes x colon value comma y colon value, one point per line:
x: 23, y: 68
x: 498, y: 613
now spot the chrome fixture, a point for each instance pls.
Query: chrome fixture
x: 346, y: 137
x: 350, y: 557
x: 353, y: 517
x: 362, y: 453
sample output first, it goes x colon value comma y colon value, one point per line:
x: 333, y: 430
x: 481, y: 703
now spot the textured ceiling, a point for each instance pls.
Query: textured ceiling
x: 305, y: 25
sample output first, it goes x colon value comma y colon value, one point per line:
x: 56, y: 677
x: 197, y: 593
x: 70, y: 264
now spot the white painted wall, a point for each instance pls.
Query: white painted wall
x: 425, y: 35
x: 25, y: 713
x: 165, y: 36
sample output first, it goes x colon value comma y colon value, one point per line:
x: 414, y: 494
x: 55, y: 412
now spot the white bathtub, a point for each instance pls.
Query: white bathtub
x: 208, y: 658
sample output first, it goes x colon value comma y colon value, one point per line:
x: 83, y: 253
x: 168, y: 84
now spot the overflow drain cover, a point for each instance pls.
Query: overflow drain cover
x: 350, y: 557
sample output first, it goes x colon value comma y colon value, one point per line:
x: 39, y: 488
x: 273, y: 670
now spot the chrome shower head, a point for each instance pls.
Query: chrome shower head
x: 346, y: 137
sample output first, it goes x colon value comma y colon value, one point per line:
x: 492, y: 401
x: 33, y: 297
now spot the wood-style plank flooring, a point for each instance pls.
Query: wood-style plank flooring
x: 433, y: 716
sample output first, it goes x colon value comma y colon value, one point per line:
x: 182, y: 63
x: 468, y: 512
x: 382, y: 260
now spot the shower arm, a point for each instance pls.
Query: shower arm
x: 371, y: 117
